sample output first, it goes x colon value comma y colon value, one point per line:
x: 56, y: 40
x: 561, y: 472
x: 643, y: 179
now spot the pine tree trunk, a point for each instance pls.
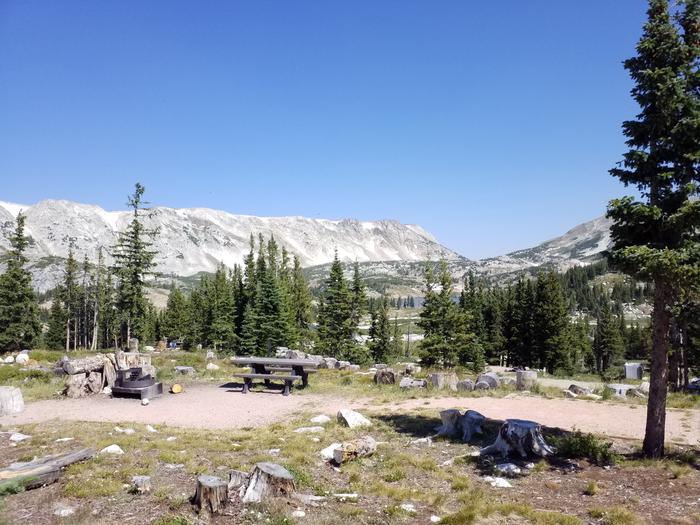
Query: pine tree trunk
x: 673, y: 365
x: 654, y: 435
x: 67, y: 335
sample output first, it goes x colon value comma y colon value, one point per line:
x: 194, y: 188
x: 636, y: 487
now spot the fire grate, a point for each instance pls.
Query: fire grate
x: 133, y: 382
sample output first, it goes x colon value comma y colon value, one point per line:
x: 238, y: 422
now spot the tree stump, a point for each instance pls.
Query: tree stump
x: 80, y: 366
x: 109, y: 373
x: 443, y: 380
x: 94, y: 382
x: 237, y: 482
x: 384, y: 376
x: 268, y: 480
x: 521, y: 436
x: 525, y: 379
x: 211, y: 494
x: 463, y: 426
x: 11, y: 400
x: 358, y: 448
x: 76, y: 385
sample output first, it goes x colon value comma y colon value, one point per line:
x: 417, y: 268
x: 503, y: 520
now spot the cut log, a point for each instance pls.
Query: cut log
x: 525, y: 379
x: 237, y: 482
x: 109, y: 373
x: 268, y: 480
x: 521, y: 436
x: 358, y: 448
x: 80, y: 366
x: 11, y: 400
x: 460, y: 425
x: 211, y: 494
x: 176, y: 388
x: 37, y: 473
x: 76, y: 385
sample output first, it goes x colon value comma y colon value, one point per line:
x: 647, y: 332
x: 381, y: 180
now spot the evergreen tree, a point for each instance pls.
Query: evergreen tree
x: 55, y: 336
x: 300, y: 303
x: 70, y: 295
x: 656, y: 238
x: 133, y: 261
x: 358, y: 298
x: 19, y: 311
x: 608, y: 345
x: 380, y: 347
x: 551, y: 321
x: 335, y: 321
x: 175, y: 316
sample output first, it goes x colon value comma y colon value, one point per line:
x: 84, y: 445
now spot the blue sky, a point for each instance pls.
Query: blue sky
x: 491, y: 124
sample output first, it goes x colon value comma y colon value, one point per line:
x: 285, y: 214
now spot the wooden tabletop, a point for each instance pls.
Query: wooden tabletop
x: 273, y: 361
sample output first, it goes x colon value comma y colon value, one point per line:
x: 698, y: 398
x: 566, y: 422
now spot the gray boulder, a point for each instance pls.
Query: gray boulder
x: 384, y: 376
x: 482, y: 385
x: 466, y: 385
x: 491, y: 378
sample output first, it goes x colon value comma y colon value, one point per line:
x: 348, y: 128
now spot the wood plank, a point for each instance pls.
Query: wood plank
x: 273, y: 361
x: 270, y: 377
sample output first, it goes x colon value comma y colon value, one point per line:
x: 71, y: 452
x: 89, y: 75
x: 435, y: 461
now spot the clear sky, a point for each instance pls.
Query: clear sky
x: 491, y: 124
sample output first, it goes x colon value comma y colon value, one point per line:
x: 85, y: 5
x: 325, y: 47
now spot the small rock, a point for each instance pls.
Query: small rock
x: 144, y: 402
x: 9, y: 359
x: 306, y: 430
x: 210, y: 355
x: 274, y: 451
x: 327, y: 453
x: 174, y: 466
x: 298, y: 514
x: 170, y: 438
x: 435, y: 519
x: 127, y: 431
x: 18, y: 436
x: 62, y: 510
x: 423, y: 441
x: 352, y: 419
x: 498, y: 482
x: 107, y: 391
x: 346, y: 496
x: 321, y: 419
x: 149, y: 428
x: 408, y: 507
x: 212, y: 366
x: 185, y: 370
x: 570, y: 394
x: 112, y: 449
x: 64, y: 440
x: 508, y: 469
x: 141, y: 484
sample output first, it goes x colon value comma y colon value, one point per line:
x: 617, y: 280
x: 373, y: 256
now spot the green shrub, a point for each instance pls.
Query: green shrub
x: 581, y: 445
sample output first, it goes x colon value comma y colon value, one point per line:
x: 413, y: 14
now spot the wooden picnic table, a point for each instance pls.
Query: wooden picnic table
x: 267, y: 368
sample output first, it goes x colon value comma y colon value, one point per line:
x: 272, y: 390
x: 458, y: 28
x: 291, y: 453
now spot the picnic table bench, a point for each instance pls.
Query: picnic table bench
x: 274, y: 369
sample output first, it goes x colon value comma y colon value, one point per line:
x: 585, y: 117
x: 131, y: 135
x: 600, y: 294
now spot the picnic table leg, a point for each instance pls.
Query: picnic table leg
x: 287, y: 387
x: 246, y: 385
x: 299, y: 371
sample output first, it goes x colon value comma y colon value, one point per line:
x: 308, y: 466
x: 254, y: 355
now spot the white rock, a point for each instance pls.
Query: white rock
x: 298, y: 514
x: 353, y: 419
x: 346, y: 496
x: 306, y: 430
x: 408, y: 507
x: 274, y: 452
x: 435, y: 519
x: 321, y: 419
x: 22, y: 359
x: 144, y: 402
x: 63, y: 440
x: 212, y: 366
x: 151, y: 429
x: 112, y: 449
x: 423, y: 441
x: 107, y: 390
x: 508, y: 469
x: 127, y: 431
x: 498, y: 482
x: 170, y: 438
x: 327, y: 453
x: 9, y: 359
x: 316, y: 440
x: 18, y: 436
x: 63, y: 510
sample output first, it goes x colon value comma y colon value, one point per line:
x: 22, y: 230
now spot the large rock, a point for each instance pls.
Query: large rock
x: 22, y: 359
x: 525, y: 379
x: 343, y: 365
x: 491, y: 378
x: 443, y: 380
x: 579, y: 390
x: 295, y: 354
x: 384, y: 376
x: 133, y: 345
x: 328, y: 362
x: 11, y: 400
x: 352, y: 419
x: 482, y: 385
x: 644, y: 387
x: 365, y: 446
x: 281, y: 352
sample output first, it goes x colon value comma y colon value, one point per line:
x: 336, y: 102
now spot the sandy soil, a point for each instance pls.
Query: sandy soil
x: 206, y: 406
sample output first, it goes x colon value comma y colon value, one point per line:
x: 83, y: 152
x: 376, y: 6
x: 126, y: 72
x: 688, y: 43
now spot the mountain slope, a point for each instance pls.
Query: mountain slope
x: 192, y: 240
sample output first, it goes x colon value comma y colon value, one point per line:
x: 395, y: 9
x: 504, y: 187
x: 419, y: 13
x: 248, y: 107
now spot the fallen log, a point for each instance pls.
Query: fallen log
x: 521, y: 436
x: 84, y: 365
x: 39, y: 472
x: 211, y: 494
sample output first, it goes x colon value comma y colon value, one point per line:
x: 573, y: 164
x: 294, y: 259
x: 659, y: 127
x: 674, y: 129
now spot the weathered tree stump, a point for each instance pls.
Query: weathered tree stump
x: 525, y: 379
x: 11, y: 400
x: 39, y: 472
x: 358, y: 448
x: 109, y: 373
x: 237, y: 482
x: 94, y: 382
x: 521, y: 436
x: 76, y: 385
x: 86, y: 364
x: 463, y: 426
x: 268, y: 480
x: 384, y: 376
x: 443, y: 380
x: 211, y: 494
